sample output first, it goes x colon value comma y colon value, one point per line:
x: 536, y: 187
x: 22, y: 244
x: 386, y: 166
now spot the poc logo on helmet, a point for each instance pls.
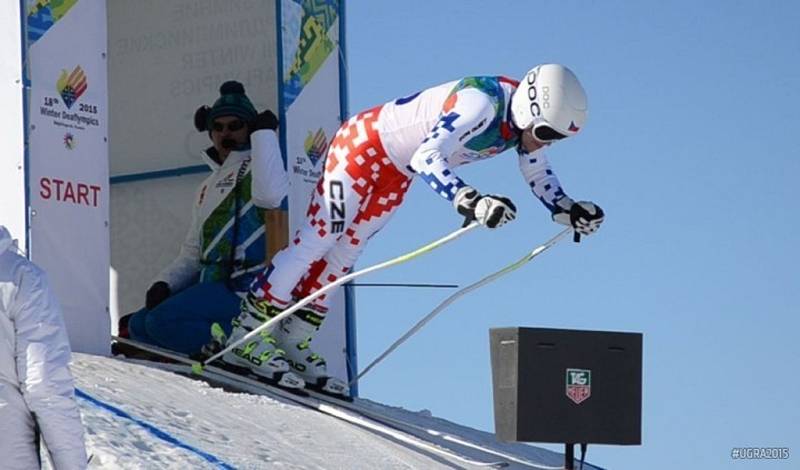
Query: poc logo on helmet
x: 545, y: 97
x: 536, y: 111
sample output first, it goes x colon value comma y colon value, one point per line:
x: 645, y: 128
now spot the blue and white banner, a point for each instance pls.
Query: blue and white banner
x: 68, y: 161
x: 311, y: 105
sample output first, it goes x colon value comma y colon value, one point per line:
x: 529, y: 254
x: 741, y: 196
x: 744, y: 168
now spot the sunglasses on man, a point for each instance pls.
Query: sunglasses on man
x: 232, y: 126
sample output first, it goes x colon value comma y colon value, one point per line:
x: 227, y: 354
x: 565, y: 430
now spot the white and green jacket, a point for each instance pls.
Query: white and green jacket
x: 248, y: 181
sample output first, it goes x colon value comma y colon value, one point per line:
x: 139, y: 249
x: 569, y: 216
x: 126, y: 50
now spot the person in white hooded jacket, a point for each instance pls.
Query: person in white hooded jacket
x: 37, y: 395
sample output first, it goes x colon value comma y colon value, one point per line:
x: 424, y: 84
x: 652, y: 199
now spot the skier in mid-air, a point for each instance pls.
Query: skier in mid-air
x: 370, y: 164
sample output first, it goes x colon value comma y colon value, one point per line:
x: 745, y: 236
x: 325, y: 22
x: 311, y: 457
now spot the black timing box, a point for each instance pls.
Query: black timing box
x: 567, y: 386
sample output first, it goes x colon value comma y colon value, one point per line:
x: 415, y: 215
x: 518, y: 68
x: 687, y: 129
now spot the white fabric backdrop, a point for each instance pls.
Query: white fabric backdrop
x: 12, y: 171
x: 168, y: 57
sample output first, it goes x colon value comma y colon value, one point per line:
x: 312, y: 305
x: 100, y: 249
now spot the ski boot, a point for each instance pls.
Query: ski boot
x: 260, y: 355
x: 294, y: 334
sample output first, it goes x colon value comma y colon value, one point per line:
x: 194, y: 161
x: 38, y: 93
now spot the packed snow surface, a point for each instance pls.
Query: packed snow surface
x: 138, y: 416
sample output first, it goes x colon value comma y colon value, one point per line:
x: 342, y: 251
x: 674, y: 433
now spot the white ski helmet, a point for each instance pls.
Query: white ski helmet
x: 549, y: 101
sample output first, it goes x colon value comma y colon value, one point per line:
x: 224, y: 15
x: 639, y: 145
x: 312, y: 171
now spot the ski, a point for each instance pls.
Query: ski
x: 337, y: 408
x: 150, y: 353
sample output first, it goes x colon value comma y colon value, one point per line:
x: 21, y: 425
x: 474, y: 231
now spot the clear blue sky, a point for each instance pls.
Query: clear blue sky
x: 690, y: 147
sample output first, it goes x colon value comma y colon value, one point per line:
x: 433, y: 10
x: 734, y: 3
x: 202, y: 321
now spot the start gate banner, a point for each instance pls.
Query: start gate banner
x: 312, y: 108
x: 68, y: 161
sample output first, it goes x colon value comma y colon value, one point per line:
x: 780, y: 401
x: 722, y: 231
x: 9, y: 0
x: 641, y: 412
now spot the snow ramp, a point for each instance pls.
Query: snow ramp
x: 140, y: 416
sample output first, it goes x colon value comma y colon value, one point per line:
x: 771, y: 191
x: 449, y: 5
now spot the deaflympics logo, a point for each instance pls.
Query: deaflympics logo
x: 315, y: 146
x: 71, y: 86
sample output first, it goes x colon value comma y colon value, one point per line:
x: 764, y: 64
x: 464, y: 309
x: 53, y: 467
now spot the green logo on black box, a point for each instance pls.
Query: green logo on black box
x: 579, y: 384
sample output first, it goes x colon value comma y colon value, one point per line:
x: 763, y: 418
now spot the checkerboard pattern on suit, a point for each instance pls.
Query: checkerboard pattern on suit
x: 355, y: 197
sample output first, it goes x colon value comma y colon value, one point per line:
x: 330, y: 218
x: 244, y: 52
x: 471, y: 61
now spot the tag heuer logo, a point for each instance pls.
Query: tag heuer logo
x: 579, y: 385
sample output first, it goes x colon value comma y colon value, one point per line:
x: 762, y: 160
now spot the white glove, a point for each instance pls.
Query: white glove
x: 465, y: 201
x: 584, y: 216
x: 491, y: 211
x: 494, y: 211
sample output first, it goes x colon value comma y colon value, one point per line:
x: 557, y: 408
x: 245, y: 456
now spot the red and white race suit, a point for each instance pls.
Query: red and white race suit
x: 370, y: 164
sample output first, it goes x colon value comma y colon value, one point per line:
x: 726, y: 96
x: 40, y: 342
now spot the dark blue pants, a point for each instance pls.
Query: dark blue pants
x: 183, y: 322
